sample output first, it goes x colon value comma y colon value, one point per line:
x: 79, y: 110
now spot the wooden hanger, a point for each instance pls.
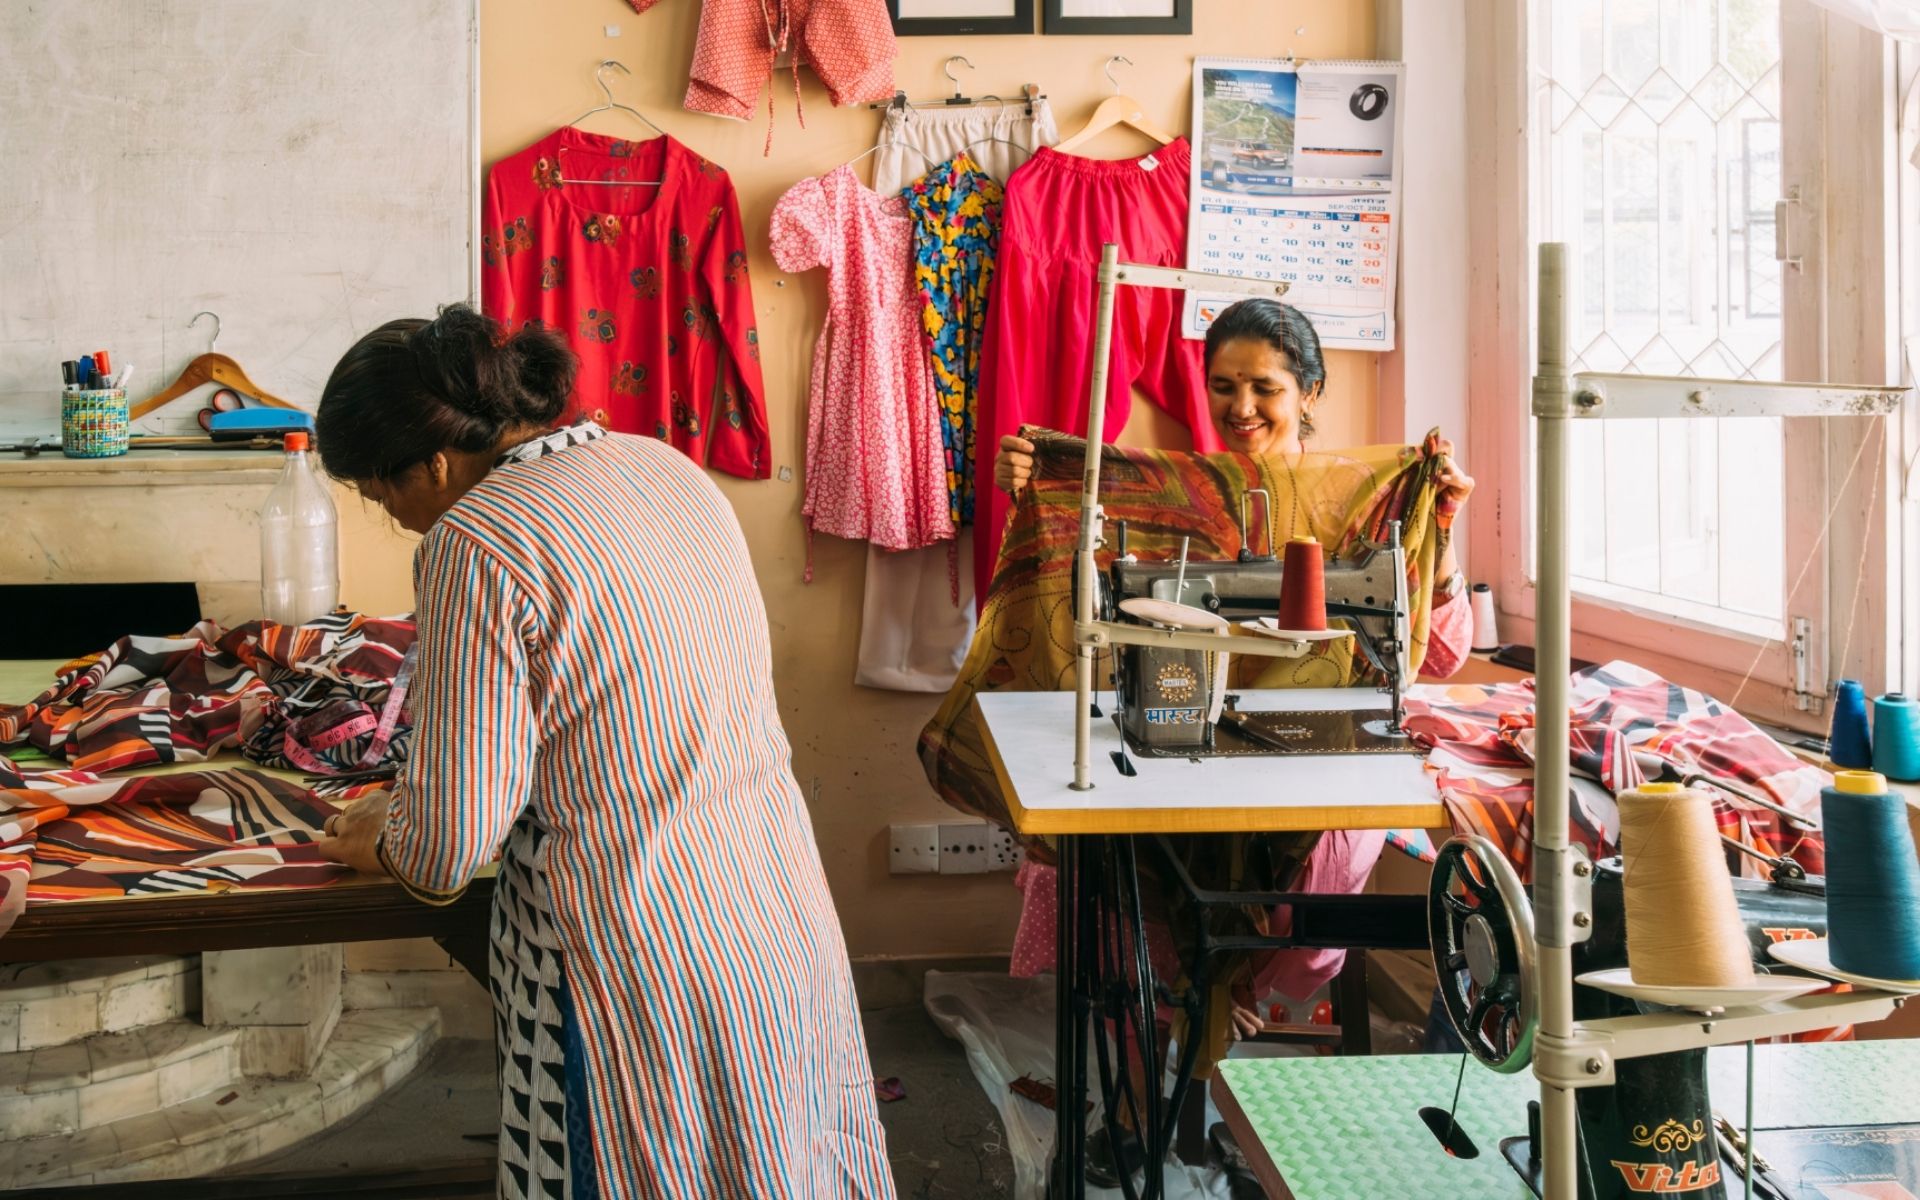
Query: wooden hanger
x: 1117, y: 109
x: 208, y: 368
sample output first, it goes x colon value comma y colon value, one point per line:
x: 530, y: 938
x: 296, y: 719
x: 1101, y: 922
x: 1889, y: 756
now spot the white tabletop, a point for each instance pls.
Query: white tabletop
x: 1030, y: 738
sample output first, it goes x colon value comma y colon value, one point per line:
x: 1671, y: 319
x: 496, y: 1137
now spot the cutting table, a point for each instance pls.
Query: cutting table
x: 358, y: 908
x: 1028, y: 739
x: 1341, y: 1128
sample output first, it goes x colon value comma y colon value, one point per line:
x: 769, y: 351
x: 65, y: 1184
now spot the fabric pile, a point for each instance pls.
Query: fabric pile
x: 299, y: 697
x: 1627, y: 725
x: 320, y: 697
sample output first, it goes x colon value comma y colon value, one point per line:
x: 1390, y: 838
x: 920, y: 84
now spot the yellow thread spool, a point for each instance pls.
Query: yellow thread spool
x: 1683, y: 925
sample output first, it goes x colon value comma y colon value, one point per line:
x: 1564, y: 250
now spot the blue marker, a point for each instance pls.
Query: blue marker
x: 86, y: 370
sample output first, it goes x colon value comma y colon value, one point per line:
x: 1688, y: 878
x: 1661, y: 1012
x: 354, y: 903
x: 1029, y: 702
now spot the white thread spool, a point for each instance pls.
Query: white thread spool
x: 1486, y: 626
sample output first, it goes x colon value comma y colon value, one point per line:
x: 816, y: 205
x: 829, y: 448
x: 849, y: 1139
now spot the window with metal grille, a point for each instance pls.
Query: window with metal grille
x: 1657, y: 157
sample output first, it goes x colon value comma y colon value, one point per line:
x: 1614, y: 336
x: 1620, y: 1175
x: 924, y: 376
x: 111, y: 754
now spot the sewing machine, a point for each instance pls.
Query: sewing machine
x: 1654, y: 1130
x: 1173, y: 700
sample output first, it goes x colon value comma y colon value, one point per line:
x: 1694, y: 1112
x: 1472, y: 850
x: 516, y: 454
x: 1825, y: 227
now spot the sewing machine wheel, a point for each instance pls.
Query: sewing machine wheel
x: 1480, y: 925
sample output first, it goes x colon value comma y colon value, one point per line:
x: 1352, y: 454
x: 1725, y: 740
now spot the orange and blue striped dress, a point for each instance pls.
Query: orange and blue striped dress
x: 594, y: 700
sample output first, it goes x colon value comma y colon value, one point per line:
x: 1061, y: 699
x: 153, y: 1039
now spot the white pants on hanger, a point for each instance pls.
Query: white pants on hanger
x: 913, y: 637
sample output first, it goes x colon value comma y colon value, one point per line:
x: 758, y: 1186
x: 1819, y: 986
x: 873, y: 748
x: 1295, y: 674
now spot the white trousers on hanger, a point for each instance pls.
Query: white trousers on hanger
x: 913, y: 637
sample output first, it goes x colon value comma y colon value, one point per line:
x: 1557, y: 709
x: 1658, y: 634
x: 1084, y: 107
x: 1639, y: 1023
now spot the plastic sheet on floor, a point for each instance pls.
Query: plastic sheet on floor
x: 1007, y: 1027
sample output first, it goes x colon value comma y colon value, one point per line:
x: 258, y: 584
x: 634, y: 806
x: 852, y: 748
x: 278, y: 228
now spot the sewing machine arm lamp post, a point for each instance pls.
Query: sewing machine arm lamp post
x: 1090, y: 634
x: 1570, y: 1055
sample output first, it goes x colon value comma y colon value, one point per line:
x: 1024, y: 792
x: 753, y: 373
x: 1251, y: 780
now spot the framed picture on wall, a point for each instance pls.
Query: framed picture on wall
x: 945, y: 18
x: 1119, y: 16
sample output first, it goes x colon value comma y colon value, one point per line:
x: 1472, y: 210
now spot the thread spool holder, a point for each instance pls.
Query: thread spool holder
x: 1570, y: 1055
x: 1091, y: 634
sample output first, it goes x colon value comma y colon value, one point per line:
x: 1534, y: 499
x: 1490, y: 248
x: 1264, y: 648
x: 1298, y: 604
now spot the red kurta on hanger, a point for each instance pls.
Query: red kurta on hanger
x: 647, y: 283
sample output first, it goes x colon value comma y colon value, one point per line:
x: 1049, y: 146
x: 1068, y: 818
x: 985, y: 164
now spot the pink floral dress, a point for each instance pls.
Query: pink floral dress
x: 874, y: 461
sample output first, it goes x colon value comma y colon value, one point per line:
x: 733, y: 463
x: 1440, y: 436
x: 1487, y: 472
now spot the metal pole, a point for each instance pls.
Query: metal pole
x: 1552, y: 404
x: 1086, y: 573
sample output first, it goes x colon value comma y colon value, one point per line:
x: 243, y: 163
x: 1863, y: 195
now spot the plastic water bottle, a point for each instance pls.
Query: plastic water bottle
x: 299, y: 546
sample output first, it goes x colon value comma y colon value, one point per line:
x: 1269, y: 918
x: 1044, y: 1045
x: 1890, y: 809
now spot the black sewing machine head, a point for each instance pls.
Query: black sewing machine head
x: 1653, y: 1131
x: 1168, y: 697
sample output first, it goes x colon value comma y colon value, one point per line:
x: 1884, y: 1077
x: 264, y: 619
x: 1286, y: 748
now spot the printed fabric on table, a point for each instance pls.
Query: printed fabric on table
x: 71, y: 835
x: 312, y: 697
x: 956, y: 208
x: 1627, y: 726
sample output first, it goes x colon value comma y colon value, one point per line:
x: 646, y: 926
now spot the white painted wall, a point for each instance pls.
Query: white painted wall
x: 1423, y: 382
x: 306, y: 170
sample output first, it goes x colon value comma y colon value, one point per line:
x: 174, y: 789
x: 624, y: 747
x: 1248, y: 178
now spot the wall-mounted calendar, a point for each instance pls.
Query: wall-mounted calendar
x: 1296, y: 176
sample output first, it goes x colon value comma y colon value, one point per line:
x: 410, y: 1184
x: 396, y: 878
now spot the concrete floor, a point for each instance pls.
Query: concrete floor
x: 944, y: 1138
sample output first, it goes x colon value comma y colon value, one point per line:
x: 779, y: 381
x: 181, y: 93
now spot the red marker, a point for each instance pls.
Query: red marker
x: 100, y: 363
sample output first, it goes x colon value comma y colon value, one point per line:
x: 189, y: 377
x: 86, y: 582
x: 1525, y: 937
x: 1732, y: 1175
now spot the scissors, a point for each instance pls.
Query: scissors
x: 223, y: 400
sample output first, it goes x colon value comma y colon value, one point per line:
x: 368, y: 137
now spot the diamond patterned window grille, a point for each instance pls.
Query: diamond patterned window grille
x: 1658, y: 161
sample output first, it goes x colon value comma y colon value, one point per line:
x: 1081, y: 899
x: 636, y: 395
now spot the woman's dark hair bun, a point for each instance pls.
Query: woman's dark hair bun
x: 413, y: 388
x: 519, y: 380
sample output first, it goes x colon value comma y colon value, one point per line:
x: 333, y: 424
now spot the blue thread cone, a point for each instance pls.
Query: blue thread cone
x: 1896, y: 737
x: 1847, y: 742
x: 1873, y: 879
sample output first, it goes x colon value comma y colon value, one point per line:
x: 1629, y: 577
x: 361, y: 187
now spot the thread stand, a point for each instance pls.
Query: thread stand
x: 1570, y: 1055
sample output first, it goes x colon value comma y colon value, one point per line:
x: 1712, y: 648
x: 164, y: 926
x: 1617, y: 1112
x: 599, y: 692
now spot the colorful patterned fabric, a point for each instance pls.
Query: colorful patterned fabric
x: 1627, y: 725
x: 1025, y: 640
x: 956, y: 208
x: 151, y: 701
x: 71, y: 835
x: 595, y: 689
x: 874, y: 469
x: 648, y: 285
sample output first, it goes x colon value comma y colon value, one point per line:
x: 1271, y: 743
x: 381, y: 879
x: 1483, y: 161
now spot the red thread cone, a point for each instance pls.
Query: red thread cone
x: 1303, y: 586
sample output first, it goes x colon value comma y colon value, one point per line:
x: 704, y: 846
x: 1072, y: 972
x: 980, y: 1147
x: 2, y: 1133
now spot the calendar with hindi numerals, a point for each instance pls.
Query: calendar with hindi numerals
x: 1296, y: 177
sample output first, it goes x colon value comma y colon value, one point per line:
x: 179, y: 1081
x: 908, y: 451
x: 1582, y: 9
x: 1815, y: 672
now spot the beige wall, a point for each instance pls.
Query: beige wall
x: 853, y: 748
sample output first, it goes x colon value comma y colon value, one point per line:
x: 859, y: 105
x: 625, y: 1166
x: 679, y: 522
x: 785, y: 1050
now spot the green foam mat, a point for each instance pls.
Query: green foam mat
x: 1341, y: 1128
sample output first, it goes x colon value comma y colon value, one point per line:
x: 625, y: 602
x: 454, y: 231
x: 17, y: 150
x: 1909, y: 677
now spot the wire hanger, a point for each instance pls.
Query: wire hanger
x: 1117, y: 109
x: 925, y: 157
x: 207, y: 368
x: 1031, y: 92
x: 1025, y: 150
x: 611, y: 103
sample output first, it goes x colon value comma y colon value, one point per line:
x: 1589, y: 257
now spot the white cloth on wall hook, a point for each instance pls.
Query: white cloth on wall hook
x: 1895, y: 18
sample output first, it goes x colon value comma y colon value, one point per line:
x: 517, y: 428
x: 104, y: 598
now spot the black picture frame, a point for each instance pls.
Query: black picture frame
x: 1021, y: 22
x: 1058, y: 22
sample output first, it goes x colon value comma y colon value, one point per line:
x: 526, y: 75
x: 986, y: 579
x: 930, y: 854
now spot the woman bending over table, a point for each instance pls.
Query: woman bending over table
x: 593, y: 700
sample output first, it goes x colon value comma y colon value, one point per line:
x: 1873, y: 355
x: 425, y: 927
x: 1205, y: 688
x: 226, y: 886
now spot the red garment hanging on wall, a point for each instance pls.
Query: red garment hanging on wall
x: 647, y: 284
x: 1037, y: 358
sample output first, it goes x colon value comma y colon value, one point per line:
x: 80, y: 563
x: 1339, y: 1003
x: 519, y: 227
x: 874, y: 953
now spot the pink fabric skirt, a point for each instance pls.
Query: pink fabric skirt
x: 1339, y: 865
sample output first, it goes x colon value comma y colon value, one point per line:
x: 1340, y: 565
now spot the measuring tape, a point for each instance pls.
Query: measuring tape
x: 323, y: 731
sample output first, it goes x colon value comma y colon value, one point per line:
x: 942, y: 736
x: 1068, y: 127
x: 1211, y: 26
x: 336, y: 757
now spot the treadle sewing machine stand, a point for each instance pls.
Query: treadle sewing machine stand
x: 1173, y: 709
x: 1641, y: 1061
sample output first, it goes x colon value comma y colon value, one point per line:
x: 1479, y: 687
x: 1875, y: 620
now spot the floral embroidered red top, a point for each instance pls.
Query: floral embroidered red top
x: 648, y: 284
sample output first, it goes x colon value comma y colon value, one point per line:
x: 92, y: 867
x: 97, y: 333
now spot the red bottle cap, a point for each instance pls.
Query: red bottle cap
x: 295, y: 441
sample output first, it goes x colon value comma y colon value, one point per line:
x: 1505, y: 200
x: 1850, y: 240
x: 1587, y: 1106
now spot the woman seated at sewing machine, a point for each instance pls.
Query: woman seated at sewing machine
x: 1265, y: 376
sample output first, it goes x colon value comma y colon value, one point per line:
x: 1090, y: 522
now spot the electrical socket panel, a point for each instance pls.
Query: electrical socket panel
x: 1004, y: 851
x: 963, y: 848
x: 913, y: 850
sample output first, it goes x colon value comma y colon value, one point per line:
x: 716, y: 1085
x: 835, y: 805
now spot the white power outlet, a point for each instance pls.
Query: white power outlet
x: 1004, y: 851
x: 963, y: 848
x: 914, y: 850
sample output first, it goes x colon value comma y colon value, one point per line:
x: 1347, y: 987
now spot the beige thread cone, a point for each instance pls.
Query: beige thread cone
x: 1683, y: 925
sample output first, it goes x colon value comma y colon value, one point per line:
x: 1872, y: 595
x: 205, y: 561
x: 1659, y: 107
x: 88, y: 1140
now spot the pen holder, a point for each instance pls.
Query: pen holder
x: 93, y: 423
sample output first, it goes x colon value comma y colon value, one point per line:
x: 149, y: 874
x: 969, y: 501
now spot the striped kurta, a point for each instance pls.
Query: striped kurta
x: 594, y: 690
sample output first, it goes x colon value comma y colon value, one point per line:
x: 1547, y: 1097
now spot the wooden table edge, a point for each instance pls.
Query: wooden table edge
x: 1250, y: 1144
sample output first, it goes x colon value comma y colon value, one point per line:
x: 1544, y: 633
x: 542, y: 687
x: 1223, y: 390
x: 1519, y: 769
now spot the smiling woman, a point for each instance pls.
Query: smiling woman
x: 1264, y: 375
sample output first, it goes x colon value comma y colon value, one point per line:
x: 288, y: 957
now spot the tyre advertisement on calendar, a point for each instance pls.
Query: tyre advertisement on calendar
x: 1296, y: 178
